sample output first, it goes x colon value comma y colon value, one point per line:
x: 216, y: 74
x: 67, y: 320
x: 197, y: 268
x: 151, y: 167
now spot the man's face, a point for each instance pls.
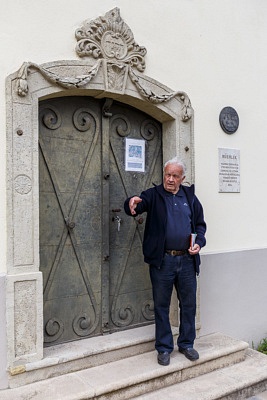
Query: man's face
x: 173, y: 177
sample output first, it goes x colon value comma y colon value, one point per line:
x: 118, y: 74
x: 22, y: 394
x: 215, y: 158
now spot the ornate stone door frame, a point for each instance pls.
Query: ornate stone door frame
x: 106, y: 78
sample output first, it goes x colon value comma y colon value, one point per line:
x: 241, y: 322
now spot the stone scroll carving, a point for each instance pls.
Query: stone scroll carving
x: 110, y: 37
x: 110, y: 42
x: 66, y: 82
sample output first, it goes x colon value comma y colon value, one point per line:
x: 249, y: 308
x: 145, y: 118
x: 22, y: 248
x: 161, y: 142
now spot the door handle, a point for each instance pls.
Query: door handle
x: 119, y: 220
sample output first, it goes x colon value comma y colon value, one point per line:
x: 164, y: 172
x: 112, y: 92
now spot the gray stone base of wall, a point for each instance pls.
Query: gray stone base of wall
x: 233, y: 294
x: 3, y: 341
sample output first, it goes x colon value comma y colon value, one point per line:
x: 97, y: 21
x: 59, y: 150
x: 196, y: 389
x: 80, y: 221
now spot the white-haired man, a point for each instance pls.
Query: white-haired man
x: 174, y: 213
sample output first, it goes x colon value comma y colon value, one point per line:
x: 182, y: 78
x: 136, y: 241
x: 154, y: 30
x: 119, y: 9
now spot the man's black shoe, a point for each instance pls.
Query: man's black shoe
x: 190, y: 353
x: 164, y: 358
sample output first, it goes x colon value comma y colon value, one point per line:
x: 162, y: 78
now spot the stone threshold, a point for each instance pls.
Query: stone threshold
x: 82, y: 354
x: 133, y: 375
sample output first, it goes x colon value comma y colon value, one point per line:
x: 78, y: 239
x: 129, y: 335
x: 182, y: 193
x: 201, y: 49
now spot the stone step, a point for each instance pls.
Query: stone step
x: 136, y: 375
x: 237, y: 382
x: 83, y: 354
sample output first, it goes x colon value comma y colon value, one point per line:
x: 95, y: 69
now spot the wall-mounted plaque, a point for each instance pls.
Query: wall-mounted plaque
x: 229, y: 171
x: 229, y: 120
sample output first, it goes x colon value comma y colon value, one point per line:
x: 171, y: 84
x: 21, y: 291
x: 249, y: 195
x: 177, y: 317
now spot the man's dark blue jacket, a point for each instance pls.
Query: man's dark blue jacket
x: 153, y: 203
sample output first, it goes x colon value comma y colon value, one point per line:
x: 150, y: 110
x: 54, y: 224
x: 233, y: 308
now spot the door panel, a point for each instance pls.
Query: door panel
x: 95, y: 279
x: 130, y: 289
x: 70, y: 216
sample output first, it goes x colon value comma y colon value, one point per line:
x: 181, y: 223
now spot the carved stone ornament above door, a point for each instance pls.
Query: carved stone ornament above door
x: 110, y: 42
x: 109, y: 37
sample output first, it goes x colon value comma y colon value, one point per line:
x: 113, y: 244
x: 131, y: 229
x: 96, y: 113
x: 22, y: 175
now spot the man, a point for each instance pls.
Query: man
x: 173, y: 214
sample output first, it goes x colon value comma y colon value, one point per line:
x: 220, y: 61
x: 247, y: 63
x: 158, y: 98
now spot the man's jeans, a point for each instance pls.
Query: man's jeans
x: 177, y: 271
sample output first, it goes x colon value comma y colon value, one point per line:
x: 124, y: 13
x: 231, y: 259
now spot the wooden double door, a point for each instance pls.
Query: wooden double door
x: 94, y: 277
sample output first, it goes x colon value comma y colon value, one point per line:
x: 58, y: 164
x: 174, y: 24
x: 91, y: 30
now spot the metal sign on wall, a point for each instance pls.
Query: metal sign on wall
x: 229, y: 170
